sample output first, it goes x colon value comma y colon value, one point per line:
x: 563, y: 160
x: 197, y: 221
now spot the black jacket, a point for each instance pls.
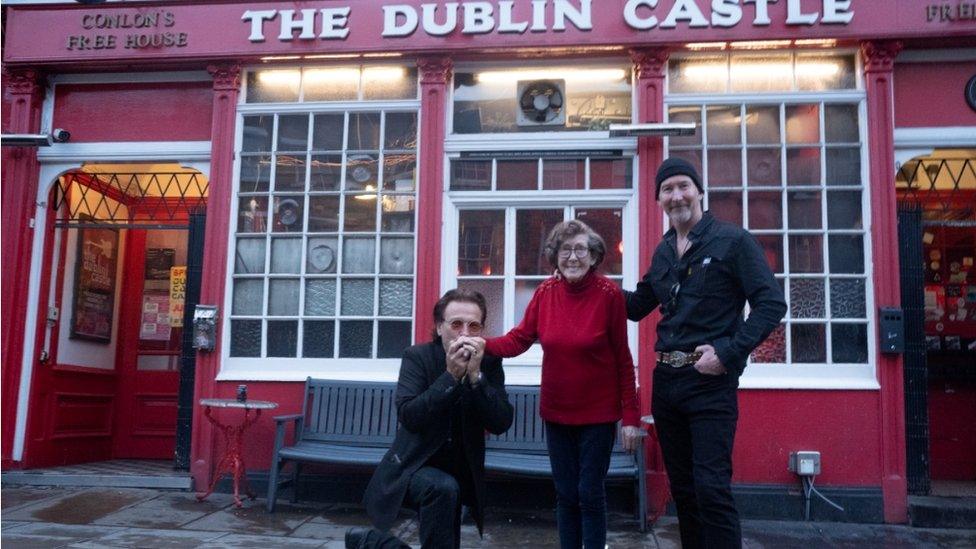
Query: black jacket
x: 424, y: 397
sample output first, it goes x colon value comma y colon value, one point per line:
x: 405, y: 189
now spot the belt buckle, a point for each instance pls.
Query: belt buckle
x: 678, y: 359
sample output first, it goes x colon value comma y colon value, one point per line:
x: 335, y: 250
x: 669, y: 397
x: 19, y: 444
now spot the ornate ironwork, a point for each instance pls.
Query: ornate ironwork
x: 943, y: 187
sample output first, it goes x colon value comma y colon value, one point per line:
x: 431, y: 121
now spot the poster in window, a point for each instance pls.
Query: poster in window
x: 94, y: 292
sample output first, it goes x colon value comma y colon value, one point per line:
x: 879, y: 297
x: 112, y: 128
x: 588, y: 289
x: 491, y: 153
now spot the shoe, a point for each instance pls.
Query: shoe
x: 355, y: 537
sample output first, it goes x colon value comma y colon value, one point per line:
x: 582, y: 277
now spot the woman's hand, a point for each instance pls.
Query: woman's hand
x: 629, y: 437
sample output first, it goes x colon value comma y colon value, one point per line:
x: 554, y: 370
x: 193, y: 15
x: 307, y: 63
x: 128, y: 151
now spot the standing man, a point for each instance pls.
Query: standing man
x: 448, y: 394
x: 702, y: 274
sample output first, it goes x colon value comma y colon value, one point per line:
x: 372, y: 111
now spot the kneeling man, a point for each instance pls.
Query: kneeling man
x: 448, y: 394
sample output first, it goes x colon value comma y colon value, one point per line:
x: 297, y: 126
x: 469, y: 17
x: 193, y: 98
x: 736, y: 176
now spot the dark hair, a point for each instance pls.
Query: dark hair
x: 458, y: 294
x: 568, y: 229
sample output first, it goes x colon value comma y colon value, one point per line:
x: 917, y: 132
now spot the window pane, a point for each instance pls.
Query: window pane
x: 355, y: 338
x: 257, y: 133
x: 840, y: 124
x: 846, y: 253
x: 481, y: 242
x: 809, y: 343
x: 288, y: 213
x: 492, y: 290
x: 320, y: 297
x: 697, y: 75
x: 804, y: 209
x: 360, y: 213
x: 326, y: 172
x: 531, y: 229
x: 289, y: 172
x: 327, y: 131
x: 471, y: 175
x: 396, y: 255
x: 286, y: 255
x: 524, y: 289
x: 844, y: 210
x: 611, y: 174
x: 401, y: 131
x: 773, y: 350
x: 393, y: 338
x: 807, y: 298
x: 726, y: 206
x: 844, y: 166
x: 761, y: 73
x: 723, y: 125
x: 323, y: 215
x: 817, y: 72
x: 847, y: 298
x: 282, y: 338
x: 249, y: 258
x: 255, y: 174
x: 806, y: 254
x: 396, y: 297
x: 764, y: 167
x: 357, y: 297
x: 765, y: 210
x: 773, y: 249
x: 389, y: 83
x: 803, y: 123
x: 724, y: 168
x: 398, y: 213
x: 321, y: 256
x: 399, y: 172
x: 273, y: 86
x: 248, y: 296
x: 293, y: 132
x: 245, y: 338
x: 693, y: 156
x: 762, y: 124
x: 364, y: 131
x: 608, y: 223
x: 849, y: 343
x: 318, y: 339
x: 283, y: 297
x: 803, y: 166
x: 331, y: 84
x: 362, y: 171
x: 563, y: 174
x: 359, y: 255
x: 686, y: 114
x: 517, y: 175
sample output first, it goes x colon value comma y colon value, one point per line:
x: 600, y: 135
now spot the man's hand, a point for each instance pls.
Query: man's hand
x: 709, y: 364
x: 457, y: 359
x: 475, y: 347
x: 629, y: 438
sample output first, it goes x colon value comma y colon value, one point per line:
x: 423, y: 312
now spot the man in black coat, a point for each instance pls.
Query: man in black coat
x: 448, y: 394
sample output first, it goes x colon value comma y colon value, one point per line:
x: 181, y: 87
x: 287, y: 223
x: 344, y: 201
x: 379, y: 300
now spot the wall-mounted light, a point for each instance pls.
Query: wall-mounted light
x: 652, y: 129
x: 58, y: 135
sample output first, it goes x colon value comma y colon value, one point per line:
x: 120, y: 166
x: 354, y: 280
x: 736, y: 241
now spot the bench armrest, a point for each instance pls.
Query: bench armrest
x: 289, y: 417
x: 280, y: 425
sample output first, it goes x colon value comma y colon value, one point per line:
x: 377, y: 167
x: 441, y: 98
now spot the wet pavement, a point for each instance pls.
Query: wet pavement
x: 43, y: 517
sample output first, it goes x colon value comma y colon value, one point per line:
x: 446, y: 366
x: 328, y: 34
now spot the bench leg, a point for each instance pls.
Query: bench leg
x: 294, y: 482
x: 276, y: 466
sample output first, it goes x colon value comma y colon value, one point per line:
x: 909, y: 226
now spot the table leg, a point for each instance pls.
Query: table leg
x: 233, y: 459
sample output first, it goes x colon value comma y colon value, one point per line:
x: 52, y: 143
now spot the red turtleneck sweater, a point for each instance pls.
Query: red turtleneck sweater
x: 587, y: 370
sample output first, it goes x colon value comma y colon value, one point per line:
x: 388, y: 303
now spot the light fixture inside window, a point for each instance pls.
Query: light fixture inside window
x: 280, y: 78
x: 570, y: 75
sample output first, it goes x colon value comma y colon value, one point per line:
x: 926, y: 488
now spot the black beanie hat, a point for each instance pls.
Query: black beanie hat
x: 676, y: 166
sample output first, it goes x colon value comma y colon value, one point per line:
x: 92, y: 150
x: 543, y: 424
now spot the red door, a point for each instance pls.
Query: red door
x: 149, y: 345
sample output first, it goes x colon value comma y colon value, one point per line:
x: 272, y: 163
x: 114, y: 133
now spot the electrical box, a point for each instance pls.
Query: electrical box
x: 892, y: 327
x: 805, y: 462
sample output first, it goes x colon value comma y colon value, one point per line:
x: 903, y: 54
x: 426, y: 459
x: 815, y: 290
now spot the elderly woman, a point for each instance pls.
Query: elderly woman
x: 580, y: 318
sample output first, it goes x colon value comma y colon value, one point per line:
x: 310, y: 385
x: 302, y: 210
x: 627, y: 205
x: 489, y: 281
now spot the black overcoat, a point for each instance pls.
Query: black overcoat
x: 425, y: 395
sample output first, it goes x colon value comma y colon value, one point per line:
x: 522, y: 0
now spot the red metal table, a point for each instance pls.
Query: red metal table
x: 233, y: 459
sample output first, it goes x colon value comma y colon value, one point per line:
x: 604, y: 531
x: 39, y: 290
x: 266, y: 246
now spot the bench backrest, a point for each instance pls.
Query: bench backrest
x: 354, y: 412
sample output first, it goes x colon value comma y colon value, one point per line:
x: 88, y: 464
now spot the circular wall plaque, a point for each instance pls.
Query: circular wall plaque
x: 971, y: 93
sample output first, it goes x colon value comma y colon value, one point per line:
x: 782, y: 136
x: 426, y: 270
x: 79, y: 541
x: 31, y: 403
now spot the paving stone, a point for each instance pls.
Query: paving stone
x: 15, y: 497
x: 144, y: 537
x: 76, y: 532
x: 758, y: 534
x: 867, y: 536
x: 168, y: 510
x: 81, y: 507
x: 251, y: 520
x: 241, y: 541
x: 10, y: 525
x: 17, y: 541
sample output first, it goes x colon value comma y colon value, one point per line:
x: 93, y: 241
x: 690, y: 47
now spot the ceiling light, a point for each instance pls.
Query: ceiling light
x: 495, y: 77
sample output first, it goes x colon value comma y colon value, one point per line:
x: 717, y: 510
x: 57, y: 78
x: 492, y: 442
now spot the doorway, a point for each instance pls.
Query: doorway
x: 113, y: 378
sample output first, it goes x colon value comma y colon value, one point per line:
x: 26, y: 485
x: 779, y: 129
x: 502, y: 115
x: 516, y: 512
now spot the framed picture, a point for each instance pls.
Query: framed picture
x: 94, y: 291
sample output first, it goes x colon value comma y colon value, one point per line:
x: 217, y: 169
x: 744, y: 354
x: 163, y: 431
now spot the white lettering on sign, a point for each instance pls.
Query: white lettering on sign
x: 334, y: 23
x: 640, y: 14
x: 401, y: 20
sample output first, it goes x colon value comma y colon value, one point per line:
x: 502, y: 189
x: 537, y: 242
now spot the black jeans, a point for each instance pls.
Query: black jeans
x: 695, y: 415
x: 580, y: 458
x: 436, y: 496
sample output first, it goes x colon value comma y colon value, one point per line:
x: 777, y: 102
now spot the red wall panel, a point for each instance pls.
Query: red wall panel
x: 931, y: 94
x: 952, y: 430
x: 167, y: 111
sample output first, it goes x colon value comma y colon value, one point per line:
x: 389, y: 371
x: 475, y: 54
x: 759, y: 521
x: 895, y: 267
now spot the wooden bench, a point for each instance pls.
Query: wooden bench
x: 354, y: 422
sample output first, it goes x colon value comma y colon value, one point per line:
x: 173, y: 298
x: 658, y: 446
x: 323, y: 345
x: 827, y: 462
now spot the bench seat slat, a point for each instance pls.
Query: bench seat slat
x: 334, y: 453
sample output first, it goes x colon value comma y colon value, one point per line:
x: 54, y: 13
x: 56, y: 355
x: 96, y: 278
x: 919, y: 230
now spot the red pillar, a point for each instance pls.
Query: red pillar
x: 435, y: 74
x: 878, y: 60
x: 649, y: 68
x: 23, y: 96
x: 226, y: 85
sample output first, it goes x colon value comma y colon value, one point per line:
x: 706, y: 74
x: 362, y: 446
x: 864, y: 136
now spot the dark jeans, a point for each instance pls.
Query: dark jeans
x: 695, y: 415
x: 437, y: 498
x: 580, y: 457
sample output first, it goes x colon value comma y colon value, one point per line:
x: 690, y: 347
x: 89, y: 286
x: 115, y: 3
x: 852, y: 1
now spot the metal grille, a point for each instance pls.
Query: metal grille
x: 943, y: 188
x: 145, y: 200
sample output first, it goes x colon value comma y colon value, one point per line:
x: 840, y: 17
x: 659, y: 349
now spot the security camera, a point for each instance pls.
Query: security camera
x: 60, y: 136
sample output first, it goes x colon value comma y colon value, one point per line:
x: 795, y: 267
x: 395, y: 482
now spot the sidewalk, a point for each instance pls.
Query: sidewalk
x: 39, y: 517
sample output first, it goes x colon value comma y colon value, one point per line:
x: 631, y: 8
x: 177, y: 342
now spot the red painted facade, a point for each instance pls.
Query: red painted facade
x: 861, y: 433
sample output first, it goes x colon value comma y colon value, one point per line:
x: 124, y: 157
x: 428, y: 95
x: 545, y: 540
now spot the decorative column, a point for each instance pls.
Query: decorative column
x: 879, y: 60
x: 650, y: 66
x: 435, y: 75
x: 226, y: 86
x: 24, y: 94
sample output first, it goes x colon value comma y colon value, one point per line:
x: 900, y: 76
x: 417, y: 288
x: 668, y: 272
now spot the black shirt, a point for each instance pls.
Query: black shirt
x: 703, y: 293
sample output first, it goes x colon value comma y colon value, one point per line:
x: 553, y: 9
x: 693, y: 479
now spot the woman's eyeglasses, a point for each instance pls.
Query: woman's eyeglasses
x: 474, y: 327
x: 581, y: 252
